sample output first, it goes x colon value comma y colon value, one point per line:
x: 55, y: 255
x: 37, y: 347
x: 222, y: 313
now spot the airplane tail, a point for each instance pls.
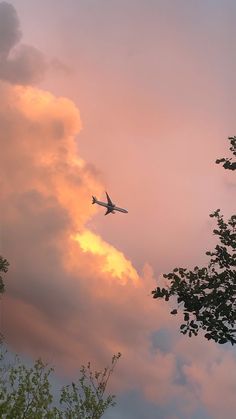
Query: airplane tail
x: 94, y: 200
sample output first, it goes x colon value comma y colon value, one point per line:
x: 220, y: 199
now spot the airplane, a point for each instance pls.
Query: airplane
x: 111, y: 208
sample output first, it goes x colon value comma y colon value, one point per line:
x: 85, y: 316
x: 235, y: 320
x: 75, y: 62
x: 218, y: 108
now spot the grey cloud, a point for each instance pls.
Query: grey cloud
x: 26, y: 65
x: 37, y: 275
x: 59, y: 66
x: 10, y: 33
x: 19, y: 64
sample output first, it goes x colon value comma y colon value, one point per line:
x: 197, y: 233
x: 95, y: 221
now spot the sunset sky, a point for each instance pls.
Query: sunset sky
x: 137, y: 98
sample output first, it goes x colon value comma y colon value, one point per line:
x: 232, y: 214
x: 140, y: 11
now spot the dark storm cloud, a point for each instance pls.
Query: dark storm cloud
x: 19, y: 64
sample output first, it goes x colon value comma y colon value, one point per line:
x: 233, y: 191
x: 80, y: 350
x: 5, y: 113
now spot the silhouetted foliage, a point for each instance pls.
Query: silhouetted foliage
x: 26, y: 392
x: 208, y: 294
x: 3, y: 268
x: 228, y: 164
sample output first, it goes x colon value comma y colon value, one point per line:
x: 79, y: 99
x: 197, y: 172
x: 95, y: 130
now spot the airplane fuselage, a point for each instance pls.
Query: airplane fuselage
x: 111, y: 207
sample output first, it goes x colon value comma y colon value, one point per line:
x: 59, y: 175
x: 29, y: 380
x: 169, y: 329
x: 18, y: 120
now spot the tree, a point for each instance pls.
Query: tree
x: 208, y: 294
x: 25, y: 393
x: 3, y: 268
x: 228, y: 164
x: 85, y: 399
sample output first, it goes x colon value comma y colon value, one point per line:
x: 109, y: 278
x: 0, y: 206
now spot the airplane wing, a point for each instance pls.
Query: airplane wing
x: 109, y: 201
x: 108, y: 211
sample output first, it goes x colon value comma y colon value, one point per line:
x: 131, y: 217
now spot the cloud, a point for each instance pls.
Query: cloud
x: 58, y: 65
x: 10, y: 33
x: 214, y: 384
x: 25, y: 65
x: 72, y: 296
x: 20, y: 63
x: 114, y: 261
x: 45, y: 187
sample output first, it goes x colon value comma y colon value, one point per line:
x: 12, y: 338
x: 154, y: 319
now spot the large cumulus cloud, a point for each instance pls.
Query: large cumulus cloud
x: 71, y: 296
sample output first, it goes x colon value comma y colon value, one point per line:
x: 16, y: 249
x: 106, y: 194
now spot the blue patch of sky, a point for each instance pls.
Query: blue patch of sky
x: 161, y: 340
x: 132, y: 405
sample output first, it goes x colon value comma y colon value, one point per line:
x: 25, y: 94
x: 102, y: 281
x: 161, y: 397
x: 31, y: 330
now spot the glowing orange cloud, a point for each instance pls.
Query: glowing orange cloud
x: 42, y: 130
x: 115, y: 262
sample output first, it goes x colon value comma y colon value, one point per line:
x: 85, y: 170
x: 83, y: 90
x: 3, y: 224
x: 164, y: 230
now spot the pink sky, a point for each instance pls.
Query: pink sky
x: 138, y: 99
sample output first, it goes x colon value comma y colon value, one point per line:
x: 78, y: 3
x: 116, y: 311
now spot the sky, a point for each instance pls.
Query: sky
x: 136, y: 98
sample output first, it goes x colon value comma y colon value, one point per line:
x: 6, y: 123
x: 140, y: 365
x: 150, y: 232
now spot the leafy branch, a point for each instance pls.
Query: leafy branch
x: 208, y: 294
